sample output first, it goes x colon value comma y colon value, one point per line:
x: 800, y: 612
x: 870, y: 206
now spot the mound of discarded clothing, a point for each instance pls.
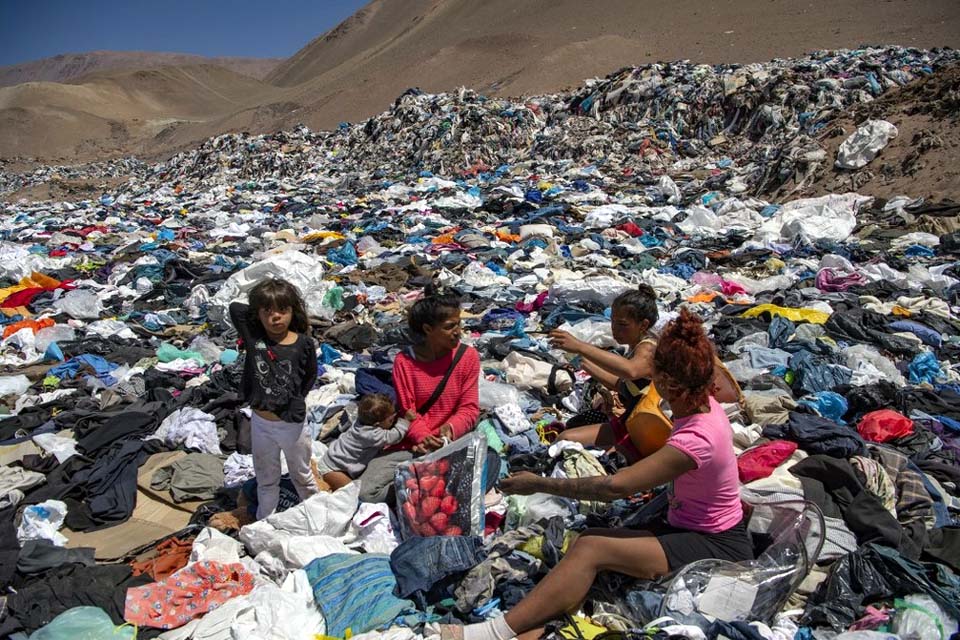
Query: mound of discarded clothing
x: 124, y: 441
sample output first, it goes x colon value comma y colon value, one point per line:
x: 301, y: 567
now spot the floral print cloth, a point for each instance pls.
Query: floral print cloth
x: 186, y: 594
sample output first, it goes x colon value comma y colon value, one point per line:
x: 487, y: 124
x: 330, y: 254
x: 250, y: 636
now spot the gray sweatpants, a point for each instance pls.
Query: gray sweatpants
x: 268, y: 439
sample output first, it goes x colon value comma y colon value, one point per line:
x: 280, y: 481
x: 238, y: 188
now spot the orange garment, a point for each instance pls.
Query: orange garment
x: 703, y: 296
x: 446, y: 238
x: 508, y: 237
x: 172, y: 555
x: 36, y: 325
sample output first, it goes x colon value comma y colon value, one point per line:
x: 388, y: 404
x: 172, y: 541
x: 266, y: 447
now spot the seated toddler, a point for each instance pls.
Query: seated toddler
x: 348, y: 456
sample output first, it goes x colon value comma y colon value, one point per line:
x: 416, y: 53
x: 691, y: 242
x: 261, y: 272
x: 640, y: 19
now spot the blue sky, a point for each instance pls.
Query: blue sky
x: 31, y: 29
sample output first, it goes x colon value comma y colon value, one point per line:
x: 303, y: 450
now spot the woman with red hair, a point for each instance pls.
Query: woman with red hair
x: 705, y: 518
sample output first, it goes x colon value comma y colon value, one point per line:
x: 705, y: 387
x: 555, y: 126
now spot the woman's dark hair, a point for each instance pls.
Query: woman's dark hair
x: 278, y: 294
x: 374, y: 408
x: 640, y: 303
x: 436, y: 304
x: 684, y: 357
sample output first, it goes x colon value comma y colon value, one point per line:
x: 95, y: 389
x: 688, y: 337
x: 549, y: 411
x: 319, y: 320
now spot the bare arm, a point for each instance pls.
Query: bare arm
x: 634, y: 368
x: 639, y: 366
x: 659, y: 468
x: 605, y: 378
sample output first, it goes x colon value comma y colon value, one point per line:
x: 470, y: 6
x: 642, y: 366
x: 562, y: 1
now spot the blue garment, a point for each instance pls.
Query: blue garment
x: 922, y: 331
x: 817, y: 435
x: 764, y: 358
x: 420, y: 563
x: 345, y: 255
x: 924, y: 368
x: 329, y: 355
x: 370, y: 380
x: 355, y: 592
x: 71, y: 368
x: 828, y: 404
x: 815, y: 373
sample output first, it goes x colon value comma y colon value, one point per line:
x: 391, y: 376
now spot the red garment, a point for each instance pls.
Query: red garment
x: 632, y: 229
x: 459, y: 404
x: 884, y: 425
x: 760, y: 462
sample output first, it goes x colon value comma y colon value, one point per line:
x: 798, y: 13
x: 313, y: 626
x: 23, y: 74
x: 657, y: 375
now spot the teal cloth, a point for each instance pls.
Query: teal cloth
x: 355, y: 592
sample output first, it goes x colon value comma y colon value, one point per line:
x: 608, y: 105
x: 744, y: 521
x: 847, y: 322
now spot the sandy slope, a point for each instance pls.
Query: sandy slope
x: 70, y: 66
x: 497, y: 46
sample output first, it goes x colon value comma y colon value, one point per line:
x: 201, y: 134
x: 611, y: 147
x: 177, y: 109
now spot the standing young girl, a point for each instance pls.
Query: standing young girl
x: 279, y: 370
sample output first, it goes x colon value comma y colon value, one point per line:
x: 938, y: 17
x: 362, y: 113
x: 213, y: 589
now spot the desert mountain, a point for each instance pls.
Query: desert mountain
x: 70, y: 66
x: 498, y: 47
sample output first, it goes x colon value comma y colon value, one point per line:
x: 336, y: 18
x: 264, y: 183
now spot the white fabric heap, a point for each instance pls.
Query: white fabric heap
x: 190, y: 428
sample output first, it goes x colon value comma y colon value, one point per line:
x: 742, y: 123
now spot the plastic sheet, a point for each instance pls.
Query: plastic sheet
x: 84, y: 623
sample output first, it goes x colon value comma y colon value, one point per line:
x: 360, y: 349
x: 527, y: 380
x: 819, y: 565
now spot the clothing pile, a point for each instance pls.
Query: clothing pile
x: 122, y: 430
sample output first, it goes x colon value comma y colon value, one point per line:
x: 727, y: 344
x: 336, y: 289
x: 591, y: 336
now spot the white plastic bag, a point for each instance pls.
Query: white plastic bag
x: 304, y: 271
x: 80, y: 304
x: 14, y: 385
x: 599, y: 289
x: 865, y: 143
x: 42, y: 521
x: 494, y: 394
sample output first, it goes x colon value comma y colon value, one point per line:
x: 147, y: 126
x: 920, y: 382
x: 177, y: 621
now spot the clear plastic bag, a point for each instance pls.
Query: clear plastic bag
x: 756, y: 590
x: 919, y: 617
x: 84, y: 623
x: 442, y: 493
x: 495, y: 394
x: 80, y: 304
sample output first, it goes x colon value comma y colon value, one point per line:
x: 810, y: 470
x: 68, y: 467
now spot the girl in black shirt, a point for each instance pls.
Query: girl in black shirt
x: 279, y: 370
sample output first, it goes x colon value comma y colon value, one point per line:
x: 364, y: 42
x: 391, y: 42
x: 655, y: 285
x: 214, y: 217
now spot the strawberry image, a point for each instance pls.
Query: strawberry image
x: 429, y: 506
x: 453, y: 530
x: 427, y: 483
x: 411, y: 484
x: 427, y: 530
x: 440, y: 489
x: 413, y: 496
x: 449, y: 505
x: 443, y: 467
x: 439, y: 521
x: 410, y: 512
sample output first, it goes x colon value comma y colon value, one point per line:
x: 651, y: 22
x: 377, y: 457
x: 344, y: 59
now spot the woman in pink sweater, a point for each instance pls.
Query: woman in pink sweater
x: 434, y: 323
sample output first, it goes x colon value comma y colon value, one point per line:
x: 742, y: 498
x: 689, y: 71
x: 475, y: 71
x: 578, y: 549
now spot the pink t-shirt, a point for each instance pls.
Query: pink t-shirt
x: 707, y: 498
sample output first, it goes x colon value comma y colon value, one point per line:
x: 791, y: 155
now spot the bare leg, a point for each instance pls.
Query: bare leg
x: 635, y: 553
x: 591, y: 435
x: 336, y: 479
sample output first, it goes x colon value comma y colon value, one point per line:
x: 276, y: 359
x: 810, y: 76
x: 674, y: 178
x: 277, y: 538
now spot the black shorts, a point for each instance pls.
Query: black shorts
x: 682, y: 546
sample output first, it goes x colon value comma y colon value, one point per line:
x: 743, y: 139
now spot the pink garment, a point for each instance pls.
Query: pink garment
x: 459, y: 404
x: 884, y: 425
x: 831, y: 281
x: 873, y: 618
x: 706, y: 499
x: 731, y: 288
x: 536, y: 305
x: 187, y: 594
x: 760, y: 462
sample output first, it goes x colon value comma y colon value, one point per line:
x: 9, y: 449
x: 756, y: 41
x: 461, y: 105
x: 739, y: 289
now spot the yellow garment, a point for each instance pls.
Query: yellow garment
x: 901, y: 311
x: 790, y: 313
x: 322, y: 235
x: 588, y: 629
